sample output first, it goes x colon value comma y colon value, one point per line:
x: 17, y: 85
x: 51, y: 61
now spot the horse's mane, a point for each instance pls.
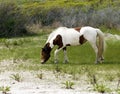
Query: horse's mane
x: 55, y: 32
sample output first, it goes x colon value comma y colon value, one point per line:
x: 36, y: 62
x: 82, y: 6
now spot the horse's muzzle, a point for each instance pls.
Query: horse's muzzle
x: 42, y: 61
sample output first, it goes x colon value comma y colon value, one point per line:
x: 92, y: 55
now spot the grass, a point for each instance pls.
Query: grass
x: 101, y: 88
x: 25, y: 52
x: 39, y: 75
x: 68, y: 84
x: 28, y: 48
x: 118, y: 90
x: 5, y: 89
x: 17, y: 77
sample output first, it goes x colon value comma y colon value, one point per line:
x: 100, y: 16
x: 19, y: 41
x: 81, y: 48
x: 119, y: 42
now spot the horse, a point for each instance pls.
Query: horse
x: 63, y: 37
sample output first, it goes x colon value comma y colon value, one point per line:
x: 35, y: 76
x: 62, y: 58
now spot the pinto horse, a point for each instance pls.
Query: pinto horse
x: 63, y: 37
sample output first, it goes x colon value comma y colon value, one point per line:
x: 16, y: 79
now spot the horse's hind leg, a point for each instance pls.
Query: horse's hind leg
x: 94, y: 46
x: 102, y: 58
x: 65, y: 56
x: 96, y: 52
x: 100, y: 53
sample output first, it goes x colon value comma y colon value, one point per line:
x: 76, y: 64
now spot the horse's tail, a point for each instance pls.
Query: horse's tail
x: 101, y: 45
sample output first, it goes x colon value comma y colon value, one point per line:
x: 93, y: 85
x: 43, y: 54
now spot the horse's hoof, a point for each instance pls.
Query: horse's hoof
x: 102, y: 60
x: 96, y: 62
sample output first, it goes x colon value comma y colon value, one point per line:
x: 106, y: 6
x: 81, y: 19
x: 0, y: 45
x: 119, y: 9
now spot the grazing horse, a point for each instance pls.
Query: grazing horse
x: 63, y: 37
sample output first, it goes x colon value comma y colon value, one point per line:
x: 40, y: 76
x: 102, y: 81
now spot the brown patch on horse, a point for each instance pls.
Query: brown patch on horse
x: 77, y: 29
x: 82, y: 39
x: 58, y: 41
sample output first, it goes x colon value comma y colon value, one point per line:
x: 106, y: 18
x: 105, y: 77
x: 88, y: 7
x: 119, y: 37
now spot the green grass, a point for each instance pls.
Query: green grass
x: 25, y: 54
x: 5, y: 89
x: 108, y: 30
x: 81, y: 57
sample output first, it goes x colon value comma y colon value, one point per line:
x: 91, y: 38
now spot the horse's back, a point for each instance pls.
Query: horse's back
x: 70, y: 36
x: 88, y: 29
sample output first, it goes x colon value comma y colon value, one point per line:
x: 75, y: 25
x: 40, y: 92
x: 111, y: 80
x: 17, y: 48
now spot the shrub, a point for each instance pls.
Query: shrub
x: 5, y: 89
x: 12, y: 21
x: 108, y: 17
x: 101, y: 88
x: 14, y: 17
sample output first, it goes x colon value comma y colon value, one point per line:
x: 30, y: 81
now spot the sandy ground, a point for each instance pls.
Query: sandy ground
x: 49, y: 84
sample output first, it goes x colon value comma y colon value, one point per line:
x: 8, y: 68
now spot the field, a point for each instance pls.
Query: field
x: 22, y: 73
x: 24, y: 28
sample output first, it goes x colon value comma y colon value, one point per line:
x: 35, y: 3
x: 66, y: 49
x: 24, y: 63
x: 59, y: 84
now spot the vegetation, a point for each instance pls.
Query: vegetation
x: 24, y: 17
x: 20, y: 15
x: 118, y: 90
x: 101, y: 88
x: 24, y: 53
x: 5, y: 89
x: 40, y: 75
x: 16, y: 77
x: 12, y: 21
x: 68, y: 84
x: 110, y: 77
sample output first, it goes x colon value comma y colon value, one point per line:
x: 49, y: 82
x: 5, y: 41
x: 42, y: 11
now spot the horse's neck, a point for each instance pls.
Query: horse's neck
x: 53, y: 35
x: 50, y: 41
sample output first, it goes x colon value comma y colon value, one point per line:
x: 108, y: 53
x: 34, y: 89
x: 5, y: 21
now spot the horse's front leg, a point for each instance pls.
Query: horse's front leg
x: 56, y: 55
x: 65, y: 56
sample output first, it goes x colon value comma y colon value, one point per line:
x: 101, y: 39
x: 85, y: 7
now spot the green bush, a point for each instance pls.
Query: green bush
x: 15, y: 16
x: 12, y: 21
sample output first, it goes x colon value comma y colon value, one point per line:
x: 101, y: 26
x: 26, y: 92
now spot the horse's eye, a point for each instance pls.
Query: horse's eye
x: 43, y: 49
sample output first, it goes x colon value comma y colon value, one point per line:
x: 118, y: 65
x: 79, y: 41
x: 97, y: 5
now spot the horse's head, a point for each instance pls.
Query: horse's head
x: 45, y: 53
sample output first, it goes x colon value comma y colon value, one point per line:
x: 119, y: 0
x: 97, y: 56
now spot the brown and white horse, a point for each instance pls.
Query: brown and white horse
x: 63, y: 37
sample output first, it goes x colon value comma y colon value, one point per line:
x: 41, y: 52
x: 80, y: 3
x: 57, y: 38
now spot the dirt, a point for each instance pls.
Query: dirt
x: 49, y: 84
